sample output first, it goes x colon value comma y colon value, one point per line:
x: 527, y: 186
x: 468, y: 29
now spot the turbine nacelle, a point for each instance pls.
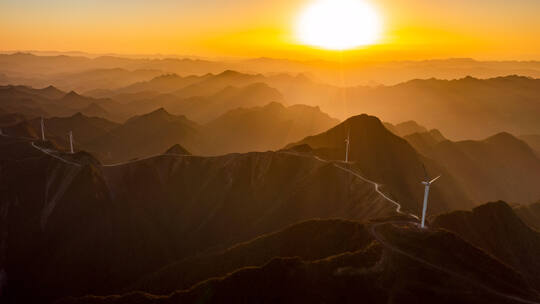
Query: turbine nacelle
x: 431, y: 181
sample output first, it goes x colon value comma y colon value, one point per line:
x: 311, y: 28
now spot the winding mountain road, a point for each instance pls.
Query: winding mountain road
x: 48, y: 152
x: 377, y: 236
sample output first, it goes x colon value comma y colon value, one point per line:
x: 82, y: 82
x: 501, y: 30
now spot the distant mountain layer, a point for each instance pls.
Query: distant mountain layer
x: 242, y: 130
x: 26, y: 66
x: 405, y: 128
x: 262, y: 128
x: 50, y: 101
x: 466, y: 108
x: 147, y: 135
x: 85, y: 129
x: 499, y: 167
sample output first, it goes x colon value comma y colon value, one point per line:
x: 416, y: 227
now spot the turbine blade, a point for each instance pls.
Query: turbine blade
x: 436, y: 178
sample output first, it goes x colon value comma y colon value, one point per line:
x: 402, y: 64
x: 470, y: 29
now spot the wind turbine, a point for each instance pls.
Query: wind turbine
x: 71, y: 141
x: 42, y: 129
x: 426, y: 183
x: 347, y: 142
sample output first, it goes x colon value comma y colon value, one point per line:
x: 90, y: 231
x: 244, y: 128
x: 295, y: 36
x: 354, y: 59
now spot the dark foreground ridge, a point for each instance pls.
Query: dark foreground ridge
x: 428, y: 270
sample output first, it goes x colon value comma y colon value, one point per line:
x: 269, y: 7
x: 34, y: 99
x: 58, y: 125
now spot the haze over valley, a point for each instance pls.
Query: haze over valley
x: 340, y: 151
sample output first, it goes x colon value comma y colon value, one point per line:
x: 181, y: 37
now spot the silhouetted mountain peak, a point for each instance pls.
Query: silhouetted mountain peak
x: 506, y: 140
x: 274, y: 106
x: 52, y: 92
x: 79, y: 115
x: 177, y: 149
x: 437, y: 135
x: 359, y: 126
x: 230, y: 73
x: 72, y: 94
x: 493, y: 214
x: 365, y: 122
x: 498, y: 207
x: 502, y: 136
x: 158, y: 115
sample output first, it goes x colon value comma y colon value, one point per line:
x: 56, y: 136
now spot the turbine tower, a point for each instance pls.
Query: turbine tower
x: 42, y: 129
x: 71, y: 141
x: 347, y: 142
x: 426, y: 183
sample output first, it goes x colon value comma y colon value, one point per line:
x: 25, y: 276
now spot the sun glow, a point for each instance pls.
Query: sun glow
x: 338, y: 24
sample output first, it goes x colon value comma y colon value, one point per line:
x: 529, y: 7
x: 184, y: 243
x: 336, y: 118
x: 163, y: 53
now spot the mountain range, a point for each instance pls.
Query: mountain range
x: 265, y: 181
x: 128, y: 220
x: 466, y: 108
x: 158, y: 224
x: 265, y: 128
x: 34, y: 68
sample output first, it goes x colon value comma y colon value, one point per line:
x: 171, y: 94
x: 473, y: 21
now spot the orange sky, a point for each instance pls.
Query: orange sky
x: 419, y: 29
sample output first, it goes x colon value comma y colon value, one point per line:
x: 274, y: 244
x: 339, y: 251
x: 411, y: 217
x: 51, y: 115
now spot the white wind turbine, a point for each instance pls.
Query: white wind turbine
x: 426, y: 183
x: 42, y: 129
x: 71, y: 141
x: 347, y: 143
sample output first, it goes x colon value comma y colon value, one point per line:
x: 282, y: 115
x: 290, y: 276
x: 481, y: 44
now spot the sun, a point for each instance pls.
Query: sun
x: 338, y: 24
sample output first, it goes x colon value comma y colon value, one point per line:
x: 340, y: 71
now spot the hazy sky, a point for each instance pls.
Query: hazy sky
x: 413, y: 29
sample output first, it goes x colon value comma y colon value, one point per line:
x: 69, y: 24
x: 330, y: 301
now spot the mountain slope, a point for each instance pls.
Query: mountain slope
x: 389, y: 160
x: 499, y: 167
x: 436, y: 274
x: 310, y: 240
x: 119, y: 223
x: 533, y: 141
x: 495, y: 228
